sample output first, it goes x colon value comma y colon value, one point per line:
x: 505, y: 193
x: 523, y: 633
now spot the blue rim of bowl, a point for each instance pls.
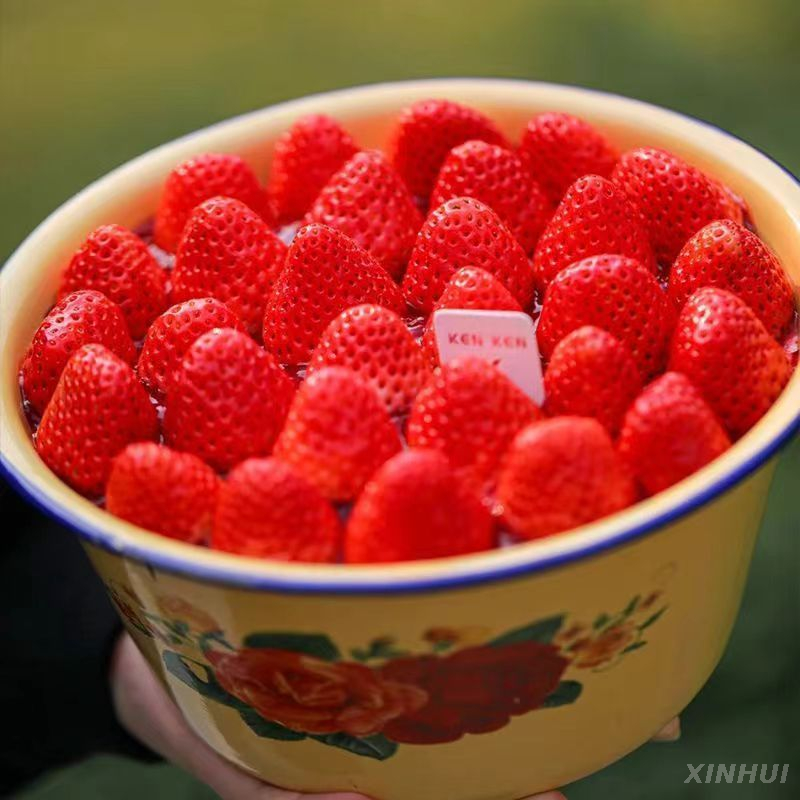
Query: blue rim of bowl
x: 410, y: 585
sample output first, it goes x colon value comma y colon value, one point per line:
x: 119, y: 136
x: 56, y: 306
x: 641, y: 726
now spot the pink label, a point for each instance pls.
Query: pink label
x: 506, y: 339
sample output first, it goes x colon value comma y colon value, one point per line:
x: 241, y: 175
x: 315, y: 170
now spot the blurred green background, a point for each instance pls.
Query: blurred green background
x: 86, y: 85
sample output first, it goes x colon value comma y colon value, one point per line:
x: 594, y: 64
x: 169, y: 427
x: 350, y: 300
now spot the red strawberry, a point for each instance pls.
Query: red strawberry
x: 470, y: 288
x: 727, y: 255
x: 561, y: 473
x: 497, y: 177
x: 614, y: 293
x: 374, y: 342
x: 116, y: 262
x: 97, y: 409
x: 326, y: 273
x: 470, y: 412
x: 464, y: 233
x: 267, y: 510
x: 674, y: 198
x: 559, y: 148
x: 367, y: 201
x: 304, y: 159
x: 228, y: 252
x: 594, y: 218
x: 162, y: 490
x: 337, y: 433
x: 227, y: 401
x: 80, y: 318
x: 727, y: 353
x: 416, y: 507
x: 669, y: 432
x: 591, y: 374
x: 201, y: 178
x: 171, y: 335
x: 427, y: 131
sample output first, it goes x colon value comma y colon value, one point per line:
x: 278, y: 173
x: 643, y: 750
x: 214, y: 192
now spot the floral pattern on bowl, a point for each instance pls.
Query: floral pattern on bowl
x: 292, y: 686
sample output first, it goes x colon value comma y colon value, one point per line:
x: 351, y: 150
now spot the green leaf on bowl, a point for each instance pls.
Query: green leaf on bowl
x: 206, y: 640
x: 377, y: 746
x: 382, y: 647
x: 542, y: 631
x: 654, y: 618
x: 178, y: 665
x: 311, y: 644
x: 635, y: 646
x: 268, y: 729
x: 565, y: 693
x: 178, y: 627
x: 632, y: 606
x: 601, y: 621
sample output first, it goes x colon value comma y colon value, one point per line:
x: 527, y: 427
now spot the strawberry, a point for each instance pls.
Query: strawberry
x: 558, y: 149
x: 374, y: 342
x: 469, y: 288
x: 304, y: 159
x: 675, y: 199
x: 171, y: 335
x: 727, y: 353
x: 85, y: 317
x: 116, y: 262
x: 591, y: 374
x: 337, y: 432
x: 367, y: 200
x: 98, y: 408
x: 326, y: 273
x: 228, y: 252
x: 416, y: 507
x: 497, y: 177
x: 727, y: 255
x: 614, y: 293
x: 227, y: 400
x: 162, y: 490
x: 669, y: 432
x: 463, y: 233
x: 199, y: 179
x: 267, y: 510
x: 595, y: 217
x: 470, y: 411
x: 560, y: 473
x: 427, y: 131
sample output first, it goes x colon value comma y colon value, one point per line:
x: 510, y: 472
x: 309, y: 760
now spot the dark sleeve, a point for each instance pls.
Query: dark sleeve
x: 57, y: 632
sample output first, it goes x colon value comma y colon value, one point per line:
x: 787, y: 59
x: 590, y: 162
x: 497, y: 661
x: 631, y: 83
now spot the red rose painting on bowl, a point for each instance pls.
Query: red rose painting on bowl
x: 293, y: 686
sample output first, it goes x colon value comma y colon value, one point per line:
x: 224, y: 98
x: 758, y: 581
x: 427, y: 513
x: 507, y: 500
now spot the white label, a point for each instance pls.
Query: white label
x: 506, y: 339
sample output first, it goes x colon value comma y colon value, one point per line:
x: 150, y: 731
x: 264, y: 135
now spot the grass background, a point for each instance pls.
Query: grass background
x: 86, y: 85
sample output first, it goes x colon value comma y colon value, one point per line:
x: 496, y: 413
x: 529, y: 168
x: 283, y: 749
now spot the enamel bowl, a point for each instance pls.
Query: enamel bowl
x: 484, y: 677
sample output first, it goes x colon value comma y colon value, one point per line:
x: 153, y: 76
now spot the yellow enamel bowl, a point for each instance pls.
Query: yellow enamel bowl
x: 485, y: 677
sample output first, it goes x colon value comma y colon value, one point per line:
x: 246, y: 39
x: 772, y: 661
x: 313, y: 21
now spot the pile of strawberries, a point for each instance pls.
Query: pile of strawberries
x: 217, y: 385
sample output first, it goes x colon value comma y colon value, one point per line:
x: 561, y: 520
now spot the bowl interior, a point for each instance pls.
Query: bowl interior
x: 129, y: 195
